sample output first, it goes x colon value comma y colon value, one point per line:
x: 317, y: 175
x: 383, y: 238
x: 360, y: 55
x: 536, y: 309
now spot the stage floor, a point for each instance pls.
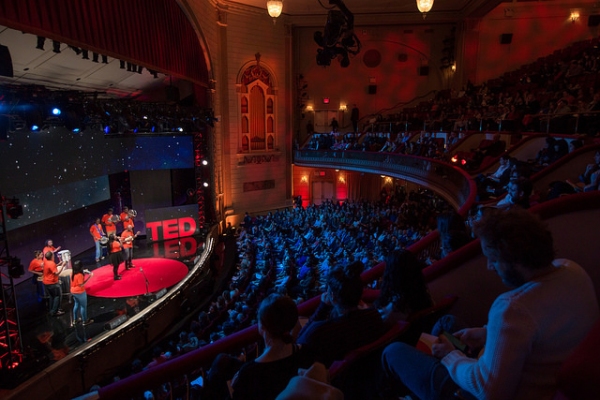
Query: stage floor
x: 47, y: 339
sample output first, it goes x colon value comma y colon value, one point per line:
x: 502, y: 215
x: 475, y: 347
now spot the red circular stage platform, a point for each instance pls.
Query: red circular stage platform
x: 148, y: 275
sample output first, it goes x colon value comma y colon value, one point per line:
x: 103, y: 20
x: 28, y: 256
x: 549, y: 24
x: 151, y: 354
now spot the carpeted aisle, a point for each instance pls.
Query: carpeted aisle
x: 160, y: 273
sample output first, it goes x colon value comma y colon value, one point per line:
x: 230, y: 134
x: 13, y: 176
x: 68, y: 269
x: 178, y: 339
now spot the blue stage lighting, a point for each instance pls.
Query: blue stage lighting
x: 35, y: 128
x: 56, y: 111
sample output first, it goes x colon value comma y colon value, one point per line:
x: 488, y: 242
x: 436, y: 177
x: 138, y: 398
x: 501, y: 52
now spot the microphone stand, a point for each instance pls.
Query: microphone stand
x: 147, y: 283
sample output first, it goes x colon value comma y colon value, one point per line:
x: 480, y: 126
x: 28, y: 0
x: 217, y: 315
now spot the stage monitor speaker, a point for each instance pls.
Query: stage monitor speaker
x: 424, y: 70
x: 6, y: 66
x: 115, y: 322
x: 594, y: 20
x: 372, y: 89
x: 506, y: 38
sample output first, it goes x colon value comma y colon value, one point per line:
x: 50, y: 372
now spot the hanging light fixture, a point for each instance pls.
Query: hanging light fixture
x: 424, y: 6
x: 274, y: 7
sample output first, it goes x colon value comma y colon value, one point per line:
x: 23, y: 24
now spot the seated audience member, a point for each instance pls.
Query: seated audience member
x: 266, y: 376
x: 546, y: 154
x: 403, y: 288
x: 453, y: 233
x: 531, y: 329
x: 311, y: 384
x: 518, y: 193
x: 493, y: 149
x: 338, y: 325
x: 561, y: 149
x: 588, y: 181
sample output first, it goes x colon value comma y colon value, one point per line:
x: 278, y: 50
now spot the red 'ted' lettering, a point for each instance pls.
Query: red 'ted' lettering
x: 187, y: 226
x: 170, y: 229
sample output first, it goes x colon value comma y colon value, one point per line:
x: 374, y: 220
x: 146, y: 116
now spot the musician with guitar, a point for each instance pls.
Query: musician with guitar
x: 99, y: 236
x: 127, y: 238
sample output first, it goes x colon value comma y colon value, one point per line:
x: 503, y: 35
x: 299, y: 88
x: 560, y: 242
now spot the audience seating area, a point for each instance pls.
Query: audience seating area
x: 291, y: 251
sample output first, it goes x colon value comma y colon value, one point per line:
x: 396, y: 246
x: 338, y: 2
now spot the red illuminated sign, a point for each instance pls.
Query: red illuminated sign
x: 171, y: 228
x: 325, y: 100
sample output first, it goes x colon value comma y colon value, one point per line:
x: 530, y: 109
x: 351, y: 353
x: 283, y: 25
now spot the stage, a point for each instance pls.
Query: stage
x: 47, y: 339
x: 148, y: 275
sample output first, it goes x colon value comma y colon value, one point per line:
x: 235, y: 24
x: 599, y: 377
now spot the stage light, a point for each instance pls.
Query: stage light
x: 205, y: 184
x: 56, y: 111
x: 180, y: 129
x: 76, y: 130
x: 204, y: 162
x: 34, y: 128
x: 40, y: 42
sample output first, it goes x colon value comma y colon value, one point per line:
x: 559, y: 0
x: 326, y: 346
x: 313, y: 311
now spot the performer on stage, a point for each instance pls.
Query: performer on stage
x: 50, y: 278
x: 127, y: 239
x: 115, y: 256
x: 97, y: 233
x: 78, y: 281
x: 36, y: 267
x: 49, y: 247
x: 126, y: 218
x: 109, y: 220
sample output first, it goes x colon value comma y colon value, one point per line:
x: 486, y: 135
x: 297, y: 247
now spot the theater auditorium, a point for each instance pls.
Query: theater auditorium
x: 170, y: 167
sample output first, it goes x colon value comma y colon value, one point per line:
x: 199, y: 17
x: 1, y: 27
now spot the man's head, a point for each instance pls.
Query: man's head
x: 516, y: 244
x: 345, y: 286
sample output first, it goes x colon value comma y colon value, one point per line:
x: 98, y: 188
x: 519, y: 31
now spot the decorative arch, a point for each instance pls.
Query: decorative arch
x: 256, y: 99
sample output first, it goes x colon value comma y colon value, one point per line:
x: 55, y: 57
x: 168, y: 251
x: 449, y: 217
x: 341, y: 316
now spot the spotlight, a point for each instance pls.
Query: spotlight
x: 34, y: 128
x: 56, y: 46
x: 204, y: 162
x: 85, y: 54
x: 40, y: 42
x: 56, y: 111
x: 205, y: 184
x: 180, y: 129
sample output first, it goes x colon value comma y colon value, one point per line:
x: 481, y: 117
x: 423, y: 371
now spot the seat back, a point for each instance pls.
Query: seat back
x: 338, y: 367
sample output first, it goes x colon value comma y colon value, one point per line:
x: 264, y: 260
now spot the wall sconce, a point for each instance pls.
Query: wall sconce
x: 304, y: 179
x: 343, y: 107
x: 424, y: 6
x: 574, y: 16
x: 342, y: 179
x: 453, y: 67
x: 274, y: 7
x: 310, y: 108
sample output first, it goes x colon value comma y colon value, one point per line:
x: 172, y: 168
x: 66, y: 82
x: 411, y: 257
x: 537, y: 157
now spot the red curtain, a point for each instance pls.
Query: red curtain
x: 153, y: 33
